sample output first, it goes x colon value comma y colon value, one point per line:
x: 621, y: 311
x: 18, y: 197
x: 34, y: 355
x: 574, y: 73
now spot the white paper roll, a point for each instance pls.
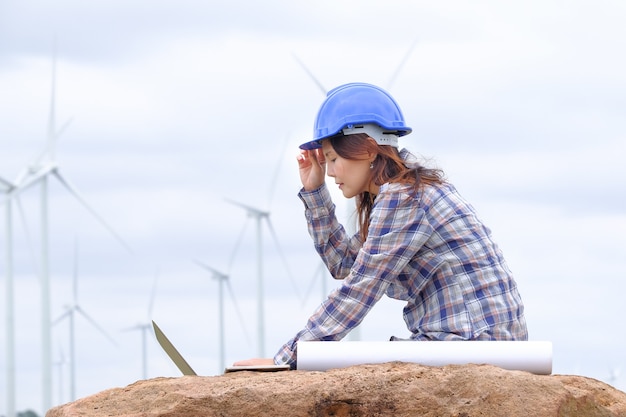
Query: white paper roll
x: 530, y: 356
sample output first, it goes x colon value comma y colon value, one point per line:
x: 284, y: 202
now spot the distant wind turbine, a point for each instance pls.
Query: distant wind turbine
x: 614, y: 374
x: 38, y: 173
x: 223, y: 278
x: 70, y: 311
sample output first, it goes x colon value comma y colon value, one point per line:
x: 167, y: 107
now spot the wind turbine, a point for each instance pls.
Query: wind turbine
x: 39, y: 172
x: 7, y: 187
x: 614, y: 374
x: 70, y: 311
x: 222, y: 278
x: 144, y: 328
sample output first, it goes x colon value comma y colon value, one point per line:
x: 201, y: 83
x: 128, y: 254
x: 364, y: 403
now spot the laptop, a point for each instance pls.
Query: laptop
x: 186, y: 369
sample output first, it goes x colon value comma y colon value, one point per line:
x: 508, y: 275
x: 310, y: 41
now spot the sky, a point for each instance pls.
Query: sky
x: 175, y: 110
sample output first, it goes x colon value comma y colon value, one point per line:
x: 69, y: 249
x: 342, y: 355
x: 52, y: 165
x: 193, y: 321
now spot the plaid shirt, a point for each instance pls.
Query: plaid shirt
x: 429, y: 250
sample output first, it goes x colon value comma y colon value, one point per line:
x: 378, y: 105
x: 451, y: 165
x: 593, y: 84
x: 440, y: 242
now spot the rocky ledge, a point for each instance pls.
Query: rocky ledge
x: 392, y: 389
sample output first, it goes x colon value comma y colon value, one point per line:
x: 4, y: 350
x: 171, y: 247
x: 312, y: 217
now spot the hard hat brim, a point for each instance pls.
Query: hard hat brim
x: 312, y: 144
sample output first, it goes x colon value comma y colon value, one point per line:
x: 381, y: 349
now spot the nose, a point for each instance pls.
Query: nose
x: 330, y: 171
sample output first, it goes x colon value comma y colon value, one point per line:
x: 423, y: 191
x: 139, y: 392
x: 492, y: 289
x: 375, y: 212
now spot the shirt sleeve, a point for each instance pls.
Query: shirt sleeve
x: 397, y: 230
x: 336, y: 248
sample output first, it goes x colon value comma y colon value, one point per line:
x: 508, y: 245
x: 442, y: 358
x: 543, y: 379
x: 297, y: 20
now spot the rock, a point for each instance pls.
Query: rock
x: 392, y: 389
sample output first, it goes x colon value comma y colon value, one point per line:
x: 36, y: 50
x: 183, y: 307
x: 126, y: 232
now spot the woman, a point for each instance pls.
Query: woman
x: 418, y: 241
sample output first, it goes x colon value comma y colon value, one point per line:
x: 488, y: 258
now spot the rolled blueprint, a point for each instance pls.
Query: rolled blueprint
x: 530, y: 356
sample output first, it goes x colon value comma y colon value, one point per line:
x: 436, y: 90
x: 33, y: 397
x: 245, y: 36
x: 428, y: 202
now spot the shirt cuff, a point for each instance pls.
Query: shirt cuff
x: 317, y: 203
x: 287, y: 355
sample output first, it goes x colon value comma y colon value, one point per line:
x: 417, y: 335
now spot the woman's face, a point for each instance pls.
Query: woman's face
x: 352, y: 176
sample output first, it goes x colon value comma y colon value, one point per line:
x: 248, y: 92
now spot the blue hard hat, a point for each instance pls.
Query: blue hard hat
x: 355, y: 104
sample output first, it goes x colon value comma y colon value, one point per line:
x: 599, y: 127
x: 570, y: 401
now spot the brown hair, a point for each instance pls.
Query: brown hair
x: 387, y: 167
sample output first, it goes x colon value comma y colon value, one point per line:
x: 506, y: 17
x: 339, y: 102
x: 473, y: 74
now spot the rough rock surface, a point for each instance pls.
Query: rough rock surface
x: 391, y: 389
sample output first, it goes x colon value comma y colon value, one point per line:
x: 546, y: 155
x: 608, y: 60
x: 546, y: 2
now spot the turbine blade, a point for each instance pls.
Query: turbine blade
x: 53, y: 134
x: 310, y: 74
x: 274, y: 179
x: 397, y: 71
x: 136, y: 327
x: 75, y: 193
x: 251, y: 210
x: 63, y: 128
x: 59, y: 319
x: 32, y: 178
x: 283, y: 258
x: 215, y: 272
x: 52, y: 114
x: 237, y: 244
x: 50, y: 149
x: 75, y: 273
x: 21, y: 176
x: 94, y: 324
x: 6, y: 185
x: 318, y: 273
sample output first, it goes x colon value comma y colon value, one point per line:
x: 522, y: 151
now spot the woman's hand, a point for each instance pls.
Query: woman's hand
x: 312, y: 165
x: 255, y: 362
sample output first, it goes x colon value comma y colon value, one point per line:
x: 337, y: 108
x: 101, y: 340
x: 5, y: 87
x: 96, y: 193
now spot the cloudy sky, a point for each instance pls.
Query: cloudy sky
x: 177, y: 108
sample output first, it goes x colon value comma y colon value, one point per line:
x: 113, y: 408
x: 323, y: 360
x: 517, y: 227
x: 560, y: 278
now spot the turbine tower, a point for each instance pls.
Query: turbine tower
x: 221, y: 278
x: 70, y: 311
x: 7, y: 187
x: 38, y: 173
x: 144, y: 328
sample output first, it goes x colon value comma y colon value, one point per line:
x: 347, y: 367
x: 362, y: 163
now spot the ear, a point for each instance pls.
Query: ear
x: 371, y: 153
